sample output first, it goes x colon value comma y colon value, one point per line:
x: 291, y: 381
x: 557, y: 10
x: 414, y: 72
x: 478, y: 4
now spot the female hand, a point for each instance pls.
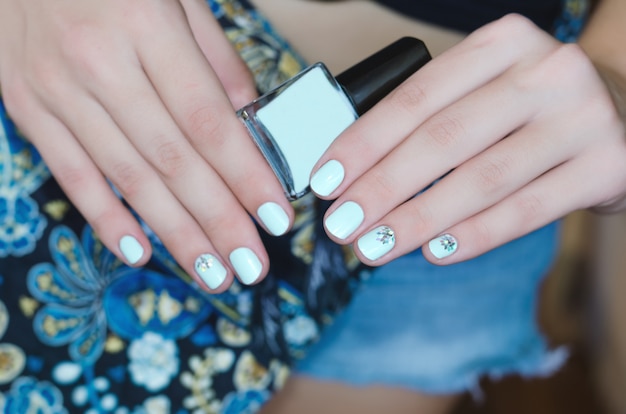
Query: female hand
x: 513, y: 128
x: 130, y: 92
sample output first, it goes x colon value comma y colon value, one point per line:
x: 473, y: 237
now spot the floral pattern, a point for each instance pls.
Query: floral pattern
x: 21, y: 173
x: 89, y: 334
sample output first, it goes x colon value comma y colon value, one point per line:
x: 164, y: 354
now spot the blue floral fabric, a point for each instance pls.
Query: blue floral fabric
x: 82, y: 332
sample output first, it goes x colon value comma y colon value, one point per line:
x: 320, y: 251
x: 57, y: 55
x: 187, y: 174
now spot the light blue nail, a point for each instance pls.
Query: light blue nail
x: 443, y: 246
x: 345, y: 220
x: 327, y: 178
x: 376, y: 243
x: 274, y: 218
x: 210, y: 270
x: 247, y: 265
x: 131, y: 249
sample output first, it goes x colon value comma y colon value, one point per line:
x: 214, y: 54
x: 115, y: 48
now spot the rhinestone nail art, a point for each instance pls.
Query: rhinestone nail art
x: 377, y: 242
x: 443, y: 246
x: 210, y: 270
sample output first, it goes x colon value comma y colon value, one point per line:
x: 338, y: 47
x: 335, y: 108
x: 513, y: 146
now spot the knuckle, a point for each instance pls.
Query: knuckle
x: 490, y: 175
x: 509, y: 28
x: 72, y: 178
x: 90, y: 51
x: 205, y: 126
x: 128, y: 179
x: 171, y: 159
x: 549, y: 71
x: 408, y: 97
x: 516, y: 24
x: 444, y: 131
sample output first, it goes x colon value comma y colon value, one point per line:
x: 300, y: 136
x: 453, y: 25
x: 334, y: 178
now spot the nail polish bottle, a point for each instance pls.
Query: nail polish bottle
x: 296, y: 122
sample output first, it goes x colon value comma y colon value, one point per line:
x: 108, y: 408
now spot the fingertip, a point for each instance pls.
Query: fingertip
x: 211, y: 273
x: 375, y: 245
x: 440, y: 248
x: 327, y: 178
x: 247, y: 265
x: 274, y: 218
x: 132, y: 251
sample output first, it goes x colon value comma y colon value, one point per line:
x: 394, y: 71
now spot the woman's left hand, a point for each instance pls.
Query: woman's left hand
x: 515, y: 130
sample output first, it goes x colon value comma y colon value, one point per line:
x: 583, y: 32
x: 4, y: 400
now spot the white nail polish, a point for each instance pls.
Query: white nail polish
x: 327, y: 178
x: 345, y: 220
x: 210, y: 270
x: 274, y: 218
x: 295, y: 123
x: 376, y: 243
x: 131, y: 249
x: 443, y: 246
x: 247, y: 265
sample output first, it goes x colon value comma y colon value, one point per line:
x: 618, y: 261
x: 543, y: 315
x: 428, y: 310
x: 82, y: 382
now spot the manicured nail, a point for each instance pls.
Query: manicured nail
x: 343, y: 221
x: 377, y: 242
x: 274, y: 218
x: 131, y: 249
x: 443, y: 246
x: 210, y: 270
x: 327, y: 178
x: 246, y: 264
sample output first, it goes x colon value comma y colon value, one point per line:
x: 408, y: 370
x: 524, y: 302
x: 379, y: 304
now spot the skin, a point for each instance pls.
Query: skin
x: 101, y: 91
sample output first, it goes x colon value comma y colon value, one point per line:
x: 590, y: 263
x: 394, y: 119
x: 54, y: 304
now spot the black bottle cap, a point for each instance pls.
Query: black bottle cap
x: 370, y: 80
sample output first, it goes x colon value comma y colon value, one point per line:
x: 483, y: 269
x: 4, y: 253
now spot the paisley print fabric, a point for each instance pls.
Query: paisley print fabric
x: 82, y: 332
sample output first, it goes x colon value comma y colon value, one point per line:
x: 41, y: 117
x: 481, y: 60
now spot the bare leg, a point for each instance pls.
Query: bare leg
x: 342, y: 33
x: 305, y: 395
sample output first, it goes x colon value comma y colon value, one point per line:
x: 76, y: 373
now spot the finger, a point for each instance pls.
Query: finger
x: 196, y: 186
x: 227, y: 64
x: 195, y: 98
x: 532, y: 207
x: 473, y: 187
x: 490, y: 52
x: 85, y: 186
x: 179, y: 225
x: 442, y: 143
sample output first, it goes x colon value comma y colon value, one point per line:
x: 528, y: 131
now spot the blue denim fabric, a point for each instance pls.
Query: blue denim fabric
x: 440, y: 328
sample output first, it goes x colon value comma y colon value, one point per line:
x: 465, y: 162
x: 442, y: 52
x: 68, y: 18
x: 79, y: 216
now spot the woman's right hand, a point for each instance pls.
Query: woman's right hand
x: 142, y: 95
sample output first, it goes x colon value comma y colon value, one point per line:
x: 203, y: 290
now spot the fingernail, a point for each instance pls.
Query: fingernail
x: 274, y: 218
x: 210, y: 270
x: 443, y: 246
x: 327, y: 178
x: 131, y: 249
x: 343, y: 221
x: 246, y: 264
x: 377, y: 242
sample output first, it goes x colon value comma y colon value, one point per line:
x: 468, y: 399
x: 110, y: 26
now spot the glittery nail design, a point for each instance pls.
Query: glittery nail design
x: 443, y: 246
x: 210, y: 270
x: 377, y: 242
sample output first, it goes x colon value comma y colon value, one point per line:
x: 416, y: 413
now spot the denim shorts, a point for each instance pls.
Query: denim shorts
x: 439, y: 329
